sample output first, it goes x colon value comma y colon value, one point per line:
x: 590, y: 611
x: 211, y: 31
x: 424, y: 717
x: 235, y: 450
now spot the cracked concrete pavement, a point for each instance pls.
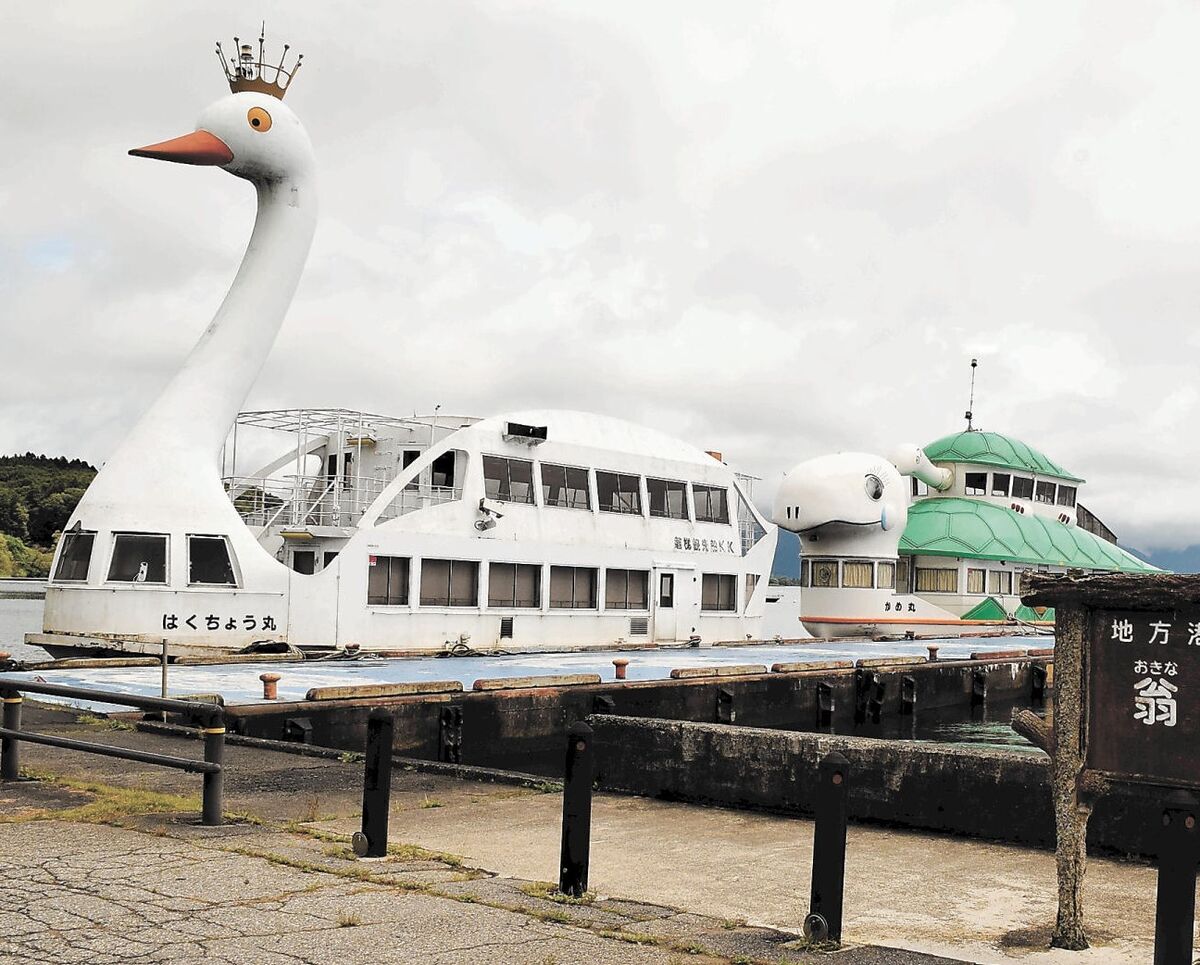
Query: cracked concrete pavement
x: 92, y: 873
x: 101, y: 895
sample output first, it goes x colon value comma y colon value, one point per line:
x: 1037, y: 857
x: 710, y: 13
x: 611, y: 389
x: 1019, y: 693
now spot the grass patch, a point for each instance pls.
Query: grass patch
x: 351, y: 757
x: 431, y: 802
x: 98, y: 722
x: 348, y: 919
x: 548, y: 892
x: 109, y: 803
x: 414, y: 852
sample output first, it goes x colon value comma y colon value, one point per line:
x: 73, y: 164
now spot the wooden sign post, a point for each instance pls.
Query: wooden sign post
x: 1126, y: 711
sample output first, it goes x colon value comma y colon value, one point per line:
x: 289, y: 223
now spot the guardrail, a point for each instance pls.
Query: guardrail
x: 213, y: 729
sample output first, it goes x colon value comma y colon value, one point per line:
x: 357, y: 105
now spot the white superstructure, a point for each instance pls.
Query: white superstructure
x: 539, y: 529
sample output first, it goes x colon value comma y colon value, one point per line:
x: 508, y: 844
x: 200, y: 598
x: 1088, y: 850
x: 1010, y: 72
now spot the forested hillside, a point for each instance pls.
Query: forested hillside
x: 37, y: 496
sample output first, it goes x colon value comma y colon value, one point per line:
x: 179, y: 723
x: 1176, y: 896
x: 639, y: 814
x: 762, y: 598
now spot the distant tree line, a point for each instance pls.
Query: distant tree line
x: 37, y: 496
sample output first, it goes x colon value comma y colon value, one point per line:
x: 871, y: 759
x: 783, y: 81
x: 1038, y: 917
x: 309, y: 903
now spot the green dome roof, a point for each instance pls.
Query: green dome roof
x: 950, y: 526
x: 993, y: 449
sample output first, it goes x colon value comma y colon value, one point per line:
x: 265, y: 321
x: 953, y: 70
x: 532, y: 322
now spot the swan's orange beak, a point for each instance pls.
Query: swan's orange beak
x: 199, y: 147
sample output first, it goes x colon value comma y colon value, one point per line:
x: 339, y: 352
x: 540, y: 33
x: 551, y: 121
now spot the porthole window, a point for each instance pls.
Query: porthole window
x: 874, y: 486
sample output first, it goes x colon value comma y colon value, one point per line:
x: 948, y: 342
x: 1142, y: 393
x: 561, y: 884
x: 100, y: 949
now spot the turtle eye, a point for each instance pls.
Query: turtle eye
x: 258, y: 119
x: 874, y: 486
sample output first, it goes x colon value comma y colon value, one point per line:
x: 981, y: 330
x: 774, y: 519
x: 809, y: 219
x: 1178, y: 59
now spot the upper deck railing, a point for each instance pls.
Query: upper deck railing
x: 324, y: 500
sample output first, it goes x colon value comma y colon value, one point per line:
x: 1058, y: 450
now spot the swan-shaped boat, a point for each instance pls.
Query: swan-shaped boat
x: 539, y: 529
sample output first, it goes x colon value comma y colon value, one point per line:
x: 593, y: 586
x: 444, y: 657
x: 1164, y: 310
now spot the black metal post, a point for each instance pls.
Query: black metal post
x: 214, y: 781
x: 10, y: 754
x: 372, y: 841
x: 1175, y: 911
x: 824, y: 921
x: 577, y: 812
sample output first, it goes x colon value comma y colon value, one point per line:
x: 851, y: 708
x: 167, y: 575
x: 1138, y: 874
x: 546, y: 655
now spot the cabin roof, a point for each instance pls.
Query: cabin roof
x: 994, y: 449
x: 951, y: 526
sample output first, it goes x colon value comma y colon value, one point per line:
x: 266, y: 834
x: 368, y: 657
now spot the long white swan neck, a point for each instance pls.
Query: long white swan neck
x: 199, y: 405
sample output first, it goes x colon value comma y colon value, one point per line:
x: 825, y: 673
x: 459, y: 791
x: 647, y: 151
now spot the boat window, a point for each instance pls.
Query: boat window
x: 857, y: 574
x: 1000, y: 582
x: 408, y: 457
x: 209, y: 562
x: 387, y: 580
x: 975, y: 483
x: 936, y: 580
x: 572, y: 587
x: 508, y: 480
x: 712, y: 503
x: 138, y: 558
x: 626, y: 589
x: 824, y: 573
x: 751, y: 586
x: 718, y: 591
x: 442, y: 471
x: 1022, y: 487
x: 1066, y: 495
x: 666, y: 590
x: 619, y: 493
x: 565, y: 486
x: 515, y: 585
x: 449, y: 583
x: 919, y: 488
x: 328, y: 557
x: 1045, y: 492
x: 976, y: 581
x: 1018, y: 581
x: 74, y: 557
x: 887, y: 576
x: 1001, y: 481
x: 668, y: 498
x: 304, y: 561
x: 804, y: 572
x: 903, y: 577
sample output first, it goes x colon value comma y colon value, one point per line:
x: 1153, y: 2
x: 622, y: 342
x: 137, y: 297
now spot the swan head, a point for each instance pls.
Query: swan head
x: 250, y: 134
x: 847, y: 491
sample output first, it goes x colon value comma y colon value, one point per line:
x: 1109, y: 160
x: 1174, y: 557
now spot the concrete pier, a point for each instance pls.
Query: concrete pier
x: 105, y: 863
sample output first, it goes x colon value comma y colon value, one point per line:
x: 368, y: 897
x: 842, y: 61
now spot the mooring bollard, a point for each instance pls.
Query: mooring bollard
x: 214, y: 783
x: 933, y: 652
x: 577, y: 812
x: 619, y: 665
x: 824, y: 920
x: 10, y: 754
x: 270, y: 682
x: 371, y: 841
x: 1178, y: 854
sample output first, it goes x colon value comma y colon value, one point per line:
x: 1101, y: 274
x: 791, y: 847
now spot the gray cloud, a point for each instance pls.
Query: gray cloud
x: 774, y: 230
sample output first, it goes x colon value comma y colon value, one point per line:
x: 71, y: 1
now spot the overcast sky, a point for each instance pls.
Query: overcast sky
x: 773, y: 229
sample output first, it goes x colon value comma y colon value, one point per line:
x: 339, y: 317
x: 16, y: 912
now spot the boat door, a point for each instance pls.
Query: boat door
x: 676, y: 603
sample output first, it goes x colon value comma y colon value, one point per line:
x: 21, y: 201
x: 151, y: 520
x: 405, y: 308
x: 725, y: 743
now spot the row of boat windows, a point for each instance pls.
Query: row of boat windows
x: 445, y: 583
x: 142, y: 558
x: 570, y: 487
x: 863, y: 574
x: 1010, y: 486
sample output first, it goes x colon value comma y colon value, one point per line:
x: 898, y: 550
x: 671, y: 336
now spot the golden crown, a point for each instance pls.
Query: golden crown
x: 244, y: 71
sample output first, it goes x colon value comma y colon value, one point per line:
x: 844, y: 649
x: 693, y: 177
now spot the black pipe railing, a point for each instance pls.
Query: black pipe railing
x: 213, y: 730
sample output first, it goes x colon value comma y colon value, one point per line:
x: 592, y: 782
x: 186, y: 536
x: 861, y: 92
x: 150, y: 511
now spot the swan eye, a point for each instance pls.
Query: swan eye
x: 258, y: 119
x: 874, y: 486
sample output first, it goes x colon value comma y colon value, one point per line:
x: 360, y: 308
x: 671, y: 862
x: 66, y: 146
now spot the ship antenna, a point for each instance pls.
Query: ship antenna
x: 971, y: 404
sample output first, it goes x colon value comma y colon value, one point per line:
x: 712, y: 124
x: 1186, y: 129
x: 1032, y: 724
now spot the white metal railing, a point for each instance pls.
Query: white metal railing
x: 324, y: 500
x: 410, y: 500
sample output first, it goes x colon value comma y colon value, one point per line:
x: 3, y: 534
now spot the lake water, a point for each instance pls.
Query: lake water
x: 20, y: 614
